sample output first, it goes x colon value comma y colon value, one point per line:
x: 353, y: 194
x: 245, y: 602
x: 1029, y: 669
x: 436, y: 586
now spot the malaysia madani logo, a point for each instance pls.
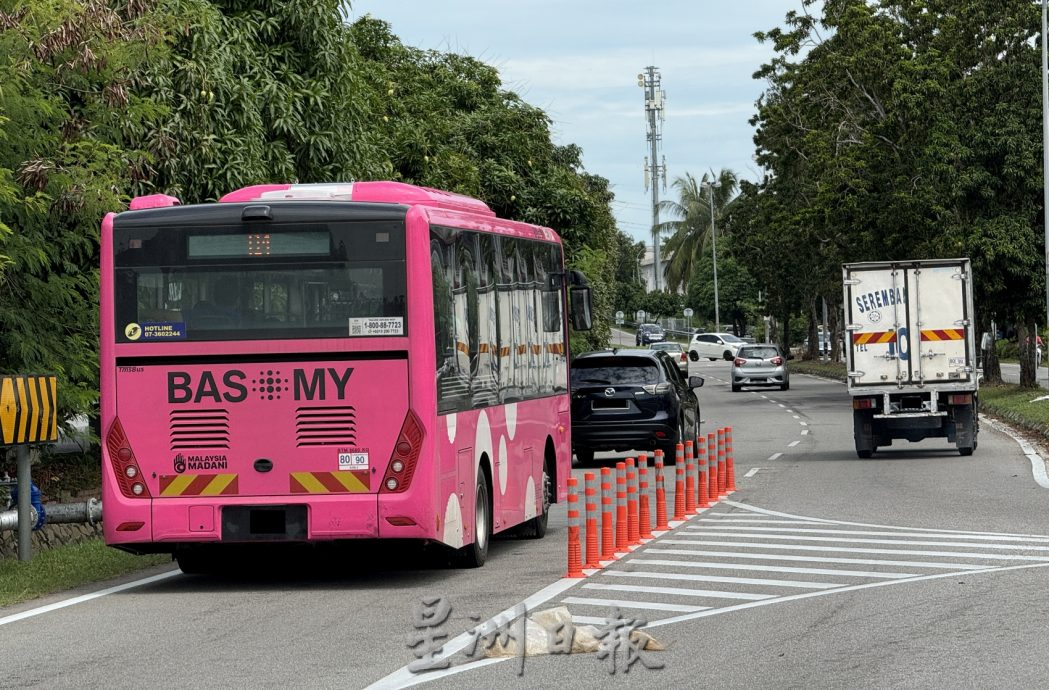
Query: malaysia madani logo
x: 180, y: 463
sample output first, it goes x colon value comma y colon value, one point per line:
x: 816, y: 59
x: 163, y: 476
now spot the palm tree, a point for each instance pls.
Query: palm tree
x: 689, y: 227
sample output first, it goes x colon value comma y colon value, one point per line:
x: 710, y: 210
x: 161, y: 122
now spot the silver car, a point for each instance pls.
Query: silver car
x: 760, y: 365
x: 675, y: 350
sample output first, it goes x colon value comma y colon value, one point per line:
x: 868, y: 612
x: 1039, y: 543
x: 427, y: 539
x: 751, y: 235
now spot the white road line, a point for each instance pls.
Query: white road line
x: 790, y: 411
x: 589, y: 620
x: 87, y: 597
x: 754, y: 510
x: 1037, y: 464
x: 781, y: 405
x: 901, y: 552
x: 804, y: 432
x: 724, y: 580
x: 792, y: 444
x: 809, y: 559
x: 628, y: 604
x: 677, y: 591
x: 760, y: 521
x: 703, y: 532
x: 807, y: 530
x: 771, y: 457
x: 773, y: 568
x: 748, y: 596
x: 797, y: 417
x: 803, y: 423
x: 807, y: 595
x: 752, y: 472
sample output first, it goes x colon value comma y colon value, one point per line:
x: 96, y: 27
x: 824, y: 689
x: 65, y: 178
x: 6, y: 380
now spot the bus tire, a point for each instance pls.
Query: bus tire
x: 474, y: 555
x: 536, y: 527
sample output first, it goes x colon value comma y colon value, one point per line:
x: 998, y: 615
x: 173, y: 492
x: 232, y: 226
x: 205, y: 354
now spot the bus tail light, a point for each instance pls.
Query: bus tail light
x: 125, y: 466
x: 400, y: 521
x: 405, y: 454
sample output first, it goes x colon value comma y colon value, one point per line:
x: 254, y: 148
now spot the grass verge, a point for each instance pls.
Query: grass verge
x: 66, y: 567
x: 828, y: 370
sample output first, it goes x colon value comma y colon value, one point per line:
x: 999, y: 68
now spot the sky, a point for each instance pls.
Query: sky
x: 579, y: 61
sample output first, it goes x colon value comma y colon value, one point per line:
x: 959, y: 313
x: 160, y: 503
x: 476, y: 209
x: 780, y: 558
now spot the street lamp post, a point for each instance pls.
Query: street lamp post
x: 711, y: 186
x: 1045, y: 160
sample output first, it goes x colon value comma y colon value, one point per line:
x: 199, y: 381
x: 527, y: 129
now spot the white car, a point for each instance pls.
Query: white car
x: 715, y: 345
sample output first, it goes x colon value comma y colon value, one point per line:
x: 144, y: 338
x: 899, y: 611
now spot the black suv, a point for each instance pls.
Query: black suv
x: 631, y: 400
x: 649, y: 333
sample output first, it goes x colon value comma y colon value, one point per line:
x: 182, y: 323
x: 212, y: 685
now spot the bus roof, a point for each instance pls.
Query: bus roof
x: 378, y: 192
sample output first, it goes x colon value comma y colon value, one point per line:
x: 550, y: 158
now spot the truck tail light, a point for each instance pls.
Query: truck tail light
x: 125, y: 466
x: 862, y: 403
x: 960, y: 399
x: 405, y: 455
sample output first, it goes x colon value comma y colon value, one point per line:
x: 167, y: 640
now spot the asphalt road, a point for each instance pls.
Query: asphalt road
x: 917, y: 568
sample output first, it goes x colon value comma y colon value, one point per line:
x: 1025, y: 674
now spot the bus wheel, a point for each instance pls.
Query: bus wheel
x: 536, y: 527
x: 474, y: 555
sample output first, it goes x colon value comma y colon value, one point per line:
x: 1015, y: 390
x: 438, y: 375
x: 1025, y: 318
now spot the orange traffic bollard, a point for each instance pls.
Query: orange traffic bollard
x: 593, y: 557
x: 608, y: 539
x: 722, y: 465
x: 575, y: 556
x: 661, y: 495
x: 690, y: 479
x: 644, y: 507
x: 633, y: 535
x: 621, y: 527
x: 712, y: 467
x: 728, y: 459
x: 679, y: 483
x: 704, y: 499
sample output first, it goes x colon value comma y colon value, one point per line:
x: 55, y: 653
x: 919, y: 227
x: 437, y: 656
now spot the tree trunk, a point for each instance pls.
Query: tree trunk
x: 814, y: 339
x: 833, y: 325
x: 1025, y: 339
x: 992, y: 368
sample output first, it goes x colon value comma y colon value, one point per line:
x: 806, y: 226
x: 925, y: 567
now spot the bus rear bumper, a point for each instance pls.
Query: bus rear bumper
x: 248, y: 519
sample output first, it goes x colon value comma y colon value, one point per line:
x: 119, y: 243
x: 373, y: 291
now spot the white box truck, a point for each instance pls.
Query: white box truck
x: 911, y: 352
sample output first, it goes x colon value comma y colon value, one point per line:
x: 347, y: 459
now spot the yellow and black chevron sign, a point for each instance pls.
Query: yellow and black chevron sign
x: 27, y: 410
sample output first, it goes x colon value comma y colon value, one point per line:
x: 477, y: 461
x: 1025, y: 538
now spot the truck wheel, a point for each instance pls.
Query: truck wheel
x: 863, y: 432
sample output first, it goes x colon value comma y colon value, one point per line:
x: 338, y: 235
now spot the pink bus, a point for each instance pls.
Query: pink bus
x: 307, y: 363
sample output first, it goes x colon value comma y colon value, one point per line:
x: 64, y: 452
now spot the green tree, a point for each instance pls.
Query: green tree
x: 689, y: 227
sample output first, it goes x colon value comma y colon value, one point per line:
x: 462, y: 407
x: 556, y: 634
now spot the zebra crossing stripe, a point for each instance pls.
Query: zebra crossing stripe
x: 947, y: 535
x: 809, y: 559
x: 799, y: 584
x: 699, y: 531
x: 675, y: 591
x: 900, y: 552
x: 773, y: 568
x: 629, y: 604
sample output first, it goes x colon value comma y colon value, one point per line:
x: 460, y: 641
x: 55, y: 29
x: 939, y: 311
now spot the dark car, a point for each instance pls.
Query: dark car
x: 631, y: 400
x: 649, y: 333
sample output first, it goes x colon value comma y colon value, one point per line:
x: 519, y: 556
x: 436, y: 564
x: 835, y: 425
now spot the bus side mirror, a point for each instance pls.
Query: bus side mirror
x: 580, y: 307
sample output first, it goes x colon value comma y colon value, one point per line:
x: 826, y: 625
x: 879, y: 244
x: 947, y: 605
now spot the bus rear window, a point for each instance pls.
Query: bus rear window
x: 315, y: 280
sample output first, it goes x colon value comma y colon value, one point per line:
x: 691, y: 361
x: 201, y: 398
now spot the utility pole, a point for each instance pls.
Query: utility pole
x: 655, y: 171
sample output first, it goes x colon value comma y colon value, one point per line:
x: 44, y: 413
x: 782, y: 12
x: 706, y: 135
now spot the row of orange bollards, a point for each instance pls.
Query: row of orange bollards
x: 703, y: 475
